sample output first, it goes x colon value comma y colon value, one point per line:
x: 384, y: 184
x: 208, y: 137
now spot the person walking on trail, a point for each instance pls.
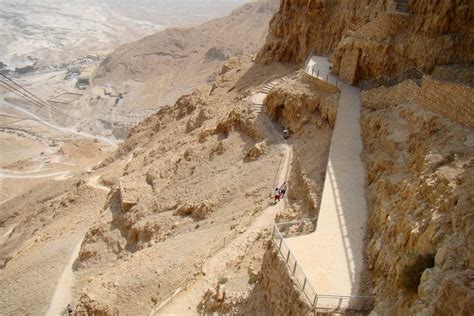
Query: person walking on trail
x: 69, y: 309
x: 277, y: 195
x: 286, y: 133
x: 283, y: 189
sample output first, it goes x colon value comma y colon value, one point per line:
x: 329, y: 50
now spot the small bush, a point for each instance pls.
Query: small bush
x: 252, y: 279
x: 413, y: 269
x: 223, y: 280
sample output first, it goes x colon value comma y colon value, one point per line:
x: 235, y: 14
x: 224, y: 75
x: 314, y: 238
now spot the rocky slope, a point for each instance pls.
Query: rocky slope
x: 436, y: 33
x: 173, y: 62
x: 191, y: 183
x: 307, y: 107
x: 420, y: 170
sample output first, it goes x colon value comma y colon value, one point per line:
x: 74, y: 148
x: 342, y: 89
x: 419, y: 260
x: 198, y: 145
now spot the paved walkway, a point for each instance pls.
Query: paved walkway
x: 332, y: 256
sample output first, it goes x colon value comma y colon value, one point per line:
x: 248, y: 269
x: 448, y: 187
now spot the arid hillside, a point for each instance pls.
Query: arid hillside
x: 163, y: 66
x: 368, y: 34
x: 419, y: 175
x: 185, y: 203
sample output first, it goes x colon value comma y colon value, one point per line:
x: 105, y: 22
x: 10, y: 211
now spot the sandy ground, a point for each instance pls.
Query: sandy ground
x: 336, y: 262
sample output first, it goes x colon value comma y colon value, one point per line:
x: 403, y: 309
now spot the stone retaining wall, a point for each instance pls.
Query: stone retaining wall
x: 280, y: 291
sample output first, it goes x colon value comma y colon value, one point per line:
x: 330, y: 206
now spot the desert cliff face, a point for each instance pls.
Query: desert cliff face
x: 418, y: 139
x: 437, y: 33
x: 420, y: 179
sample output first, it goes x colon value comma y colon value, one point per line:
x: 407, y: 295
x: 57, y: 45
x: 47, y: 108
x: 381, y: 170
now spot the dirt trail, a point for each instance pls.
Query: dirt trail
x: 62, y: 295
x: 59, y: 128
x: 185, y: 303
x: 30, y: 174
x: 94, y: 182
x: 7, y: 235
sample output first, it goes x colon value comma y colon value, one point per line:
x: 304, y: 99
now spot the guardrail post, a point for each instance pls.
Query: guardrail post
x: 340, y: 303
x: 315, y: 301
x: 288, y: 256
x: 304, y: 283
x: 317, y: 74
x: 294, y: 267
x: 281, y: 241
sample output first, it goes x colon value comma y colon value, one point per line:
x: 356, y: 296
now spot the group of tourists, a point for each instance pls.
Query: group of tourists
x: 280, y: 192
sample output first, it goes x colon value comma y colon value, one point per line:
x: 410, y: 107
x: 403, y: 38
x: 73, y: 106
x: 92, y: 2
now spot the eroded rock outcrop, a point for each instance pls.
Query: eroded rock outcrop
x: 275, y: 292
x: 420, y: 171
x: 307, y: 107
x: 365, y: 37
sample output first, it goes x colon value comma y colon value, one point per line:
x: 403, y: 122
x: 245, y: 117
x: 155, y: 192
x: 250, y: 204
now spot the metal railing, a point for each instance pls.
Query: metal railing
x: 295, y: 269
x: 398, y: 7
x: 412, y: 73
x: 289, y: 74
x: 169, y: 297
x: 184, y: 283
x: 319, y: 73
x: 315, y: 300
x: 297, y: 228
x: 322, y: 75
x: 221, y: 244
x: 355, y: 26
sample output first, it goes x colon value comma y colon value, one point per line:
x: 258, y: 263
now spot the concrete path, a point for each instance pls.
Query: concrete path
x: 332, y: 256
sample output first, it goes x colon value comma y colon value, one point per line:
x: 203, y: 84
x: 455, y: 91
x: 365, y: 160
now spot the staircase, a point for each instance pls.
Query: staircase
x: 268, y: 86
x: 272, y: 84
x: 402, y: 7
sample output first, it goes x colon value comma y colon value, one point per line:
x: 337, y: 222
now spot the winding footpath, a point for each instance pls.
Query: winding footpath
x: 56, y: 127
x: 62, y: 295
x: 184, y: 303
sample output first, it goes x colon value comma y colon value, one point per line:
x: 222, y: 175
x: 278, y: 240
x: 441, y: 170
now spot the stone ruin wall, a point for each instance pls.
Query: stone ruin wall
x: 452, y: 100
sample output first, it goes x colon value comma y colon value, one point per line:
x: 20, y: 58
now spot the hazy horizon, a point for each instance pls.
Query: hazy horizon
x: 51, y: 32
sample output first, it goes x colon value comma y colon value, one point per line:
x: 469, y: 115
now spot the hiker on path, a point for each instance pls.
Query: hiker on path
x: 286, y: 133
x: 277, y: 195
x: 69, y: 309
x: 283, y: 189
